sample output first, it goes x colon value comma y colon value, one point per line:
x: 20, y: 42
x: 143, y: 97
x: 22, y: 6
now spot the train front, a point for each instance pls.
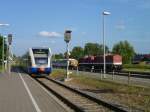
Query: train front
x: 40, y: 61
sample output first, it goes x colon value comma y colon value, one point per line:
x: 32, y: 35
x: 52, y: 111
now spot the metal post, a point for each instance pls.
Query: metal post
x: 9, y: 52
x: 129, y: 78
x: 9, y: 64
x: 67, y: 77
x: 6, y: 66
x: 104, y: 13
x: 113, y: 75
x: 92, y: 69
x: 104, y: 47
x: 77, y: 70
x: 101, y: 74
x: 3, y: 55
x: 67, y: 38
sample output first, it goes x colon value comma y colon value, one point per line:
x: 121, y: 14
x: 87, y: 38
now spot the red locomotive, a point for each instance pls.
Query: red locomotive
x: 113, y: 62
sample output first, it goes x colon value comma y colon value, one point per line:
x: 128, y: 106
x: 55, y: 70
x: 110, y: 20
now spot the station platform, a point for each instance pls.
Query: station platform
x: 20, y: 93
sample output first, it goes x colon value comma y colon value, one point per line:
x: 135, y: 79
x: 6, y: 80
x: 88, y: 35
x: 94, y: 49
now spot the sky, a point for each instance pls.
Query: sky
x: 36, y: 23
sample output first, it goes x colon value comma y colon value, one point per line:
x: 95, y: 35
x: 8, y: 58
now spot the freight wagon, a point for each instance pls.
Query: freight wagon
x: 62, y: 63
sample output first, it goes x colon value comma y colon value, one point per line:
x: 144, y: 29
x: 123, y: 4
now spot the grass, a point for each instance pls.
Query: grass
x: 136, y: 67
x: 57, y: 74
x: 132, y: 96
x: 137, y: 70
x: 0, y: 68
x: 97, y: 83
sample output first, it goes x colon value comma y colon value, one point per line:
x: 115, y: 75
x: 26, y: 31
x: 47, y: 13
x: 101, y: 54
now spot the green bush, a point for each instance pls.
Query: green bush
x: 0, y: 68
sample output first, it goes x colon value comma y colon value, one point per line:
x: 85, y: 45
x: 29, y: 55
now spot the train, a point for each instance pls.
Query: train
x: 38, y: 61
x: 95, y: 63
x: 113, y: 62
x: 62, y: 63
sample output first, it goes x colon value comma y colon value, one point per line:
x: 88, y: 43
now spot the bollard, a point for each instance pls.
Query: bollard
x: 101, y: 74
x: 129, y: 78
x: 77, y: 71
x: 92, y: 69
x: 113, y: 75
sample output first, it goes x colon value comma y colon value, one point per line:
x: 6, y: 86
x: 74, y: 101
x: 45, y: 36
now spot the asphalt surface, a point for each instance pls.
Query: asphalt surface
x: 20, y: 93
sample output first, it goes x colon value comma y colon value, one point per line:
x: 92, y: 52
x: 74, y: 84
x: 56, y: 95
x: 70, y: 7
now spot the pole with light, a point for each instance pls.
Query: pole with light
x: 3, y: 25
x: 9, y: 52
x: 67, y: 38
x: 104, y: 57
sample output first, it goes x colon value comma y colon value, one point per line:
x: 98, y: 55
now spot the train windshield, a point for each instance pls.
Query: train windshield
x: 40, y: 52
x: 41, y: 61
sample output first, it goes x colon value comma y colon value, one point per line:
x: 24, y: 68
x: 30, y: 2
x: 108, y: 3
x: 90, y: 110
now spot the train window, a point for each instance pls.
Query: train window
x: 41, y: 61
x: 40, y: 52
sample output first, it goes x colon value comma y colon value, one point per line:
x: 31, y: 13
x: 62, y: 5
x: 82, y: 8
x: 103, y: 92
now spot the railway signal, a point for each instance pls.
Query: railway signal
x: 9, y: 52
x: 9, y: 39
x: 67, y: 38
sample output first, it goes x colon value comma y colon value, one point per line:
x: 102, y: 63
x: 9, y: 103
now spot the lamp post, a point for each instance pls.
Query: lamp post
x: 3, y: 47
x: 67, y: 38
x: 104, y: 57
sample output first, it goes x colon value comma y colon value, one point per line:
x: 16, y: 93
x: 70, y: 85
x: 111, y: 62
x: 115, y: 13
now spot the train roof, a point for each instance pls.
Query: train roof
x: 64, y: 59
x: 101, y: 55
x: 40, y: 48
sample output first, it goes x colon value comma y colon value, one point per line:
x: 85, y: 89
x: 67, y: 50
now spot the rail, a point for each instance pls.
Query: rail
x: 87, y: 103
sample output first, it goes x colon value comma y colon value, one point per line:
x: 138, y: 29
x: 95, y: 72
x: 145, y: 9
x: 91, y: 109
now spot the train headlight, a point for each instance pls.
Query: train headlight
x: 41, y: 69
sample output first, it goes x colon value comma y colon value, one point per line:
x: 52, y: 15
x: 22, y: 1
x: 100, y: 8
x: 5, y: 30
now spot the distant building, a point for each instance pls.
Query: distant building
x: 141, y: 58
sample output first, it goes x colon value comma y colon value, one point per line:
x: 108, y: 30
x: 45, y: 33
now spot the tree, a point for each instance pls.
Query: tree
x: 25, y: 55
x: 77, y: 52
x: 125, y: 49
x: 94, y: 49
x: 58, y: 56
x: 1, y: 48
x: 101, y: 49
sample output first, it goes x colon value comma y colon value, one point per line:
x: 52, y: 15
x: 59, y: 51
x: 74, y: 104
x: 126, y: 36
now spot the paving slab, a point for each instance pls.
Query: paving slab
x: 14, y: 96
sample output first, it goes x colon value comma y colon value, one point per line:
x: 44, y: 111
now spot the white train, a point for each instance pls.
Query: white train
x: 39, y: 61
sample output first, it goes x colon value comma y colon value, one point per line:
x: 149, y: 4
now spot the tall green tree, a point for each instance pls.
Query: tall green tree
x: 125, y: 49
x: 94, y: 49
x: 58, y: 56
x: 101, y: 49
x: 77, y: 52
x: 1, y: 48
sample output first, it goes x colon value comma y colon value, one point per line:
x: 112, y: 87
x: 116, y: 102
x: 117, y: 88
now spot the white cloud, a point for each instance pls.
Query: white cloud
x: 53, y: 42
x: 49, y: 34
x: 71, y: 28
x: 83, y: 33
x: 121, y: 25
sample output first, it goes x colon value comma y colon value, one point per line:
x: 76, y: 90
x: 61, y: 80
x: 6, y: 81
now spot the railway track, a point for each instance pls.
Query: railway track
x: 76, y: 99
x: 126, y: 73
x: 134, y: 74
